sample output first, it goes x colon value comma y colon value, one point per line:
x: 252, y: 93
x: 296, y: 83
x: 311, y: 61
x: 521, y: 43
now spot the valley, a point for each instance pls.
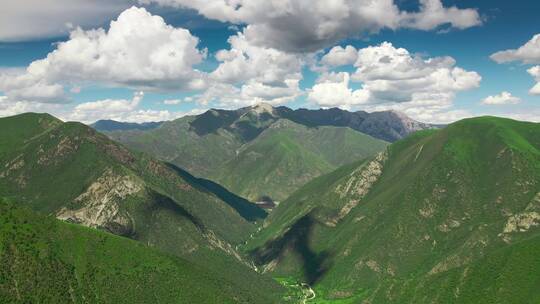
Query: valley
x: 269, y: 152
x: 265, y: 151
x: 428, y: 218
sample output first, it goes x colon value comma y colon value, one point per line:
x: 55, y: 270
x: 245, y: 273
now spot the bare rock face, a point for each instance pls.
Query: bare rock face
x: 358, y: 185
x: 98, y: 206
x: 263, y: 107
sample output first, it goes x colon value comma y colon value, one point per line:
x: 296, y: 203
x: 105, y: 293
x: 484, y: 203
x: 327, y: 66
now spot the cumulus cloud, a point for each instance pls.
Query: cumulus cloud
x: 109, y: 106
x: 333, y: 92
x: 393, y: 78
x: 17, y: 84
x: 248, y: 73
x: 128, y: 110
x: 9, y: 107
x: 501, y: 99
x: 120, y: 110
x: 245, y: 61
x: 139, y: 50
x: 432, y: 14
x: 30, y: 19
x: 528, y: 53
x: 231, y: 97
x: 339, y: 56
x: 535, y: 72
x: 304, y: 25
x: 394, y: 75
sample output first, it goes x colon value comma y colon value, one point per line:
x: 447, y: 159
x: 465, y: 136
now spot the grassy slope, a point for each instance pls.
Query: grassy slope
x: 287, y: 155
x: 176, y: 142
x: 429, y: 230
x: 48, y: 261
x: 57, y: 162
x: 76, y: 156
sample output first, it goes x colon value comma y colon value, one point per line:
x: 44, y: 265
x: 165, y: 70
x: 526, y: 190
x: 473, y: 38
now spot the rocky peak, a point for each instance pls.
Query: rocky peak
x: 263, y: 107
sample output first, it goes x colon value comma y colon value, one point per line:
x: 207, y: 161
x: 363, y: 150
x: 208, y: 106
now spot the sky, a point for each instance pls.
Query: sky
x: 151, y: 60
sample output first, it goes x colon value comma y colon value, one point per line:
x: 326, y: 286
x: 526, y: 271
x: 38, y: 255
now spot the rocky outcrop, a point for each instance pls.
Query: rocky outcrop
x: 99, y: 205
x: 358, y: 185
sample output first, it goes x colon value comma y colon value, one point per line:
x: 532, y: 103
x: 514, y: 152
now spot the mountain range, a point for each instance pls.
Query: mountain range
x: 445, y: 214
x: 71, y: 172
x: 264, y: 151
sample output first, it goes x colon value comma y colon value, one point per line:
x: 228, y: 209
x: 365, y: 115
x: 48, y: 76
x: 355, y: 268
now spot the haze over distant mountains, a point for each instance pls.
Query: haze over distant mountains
x: 112, y: 125
x: 263, y: 151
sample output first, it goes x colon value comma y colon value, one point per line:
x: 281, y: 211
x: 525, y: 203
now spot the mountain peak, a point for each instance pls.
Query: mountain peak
x: 263, y: 107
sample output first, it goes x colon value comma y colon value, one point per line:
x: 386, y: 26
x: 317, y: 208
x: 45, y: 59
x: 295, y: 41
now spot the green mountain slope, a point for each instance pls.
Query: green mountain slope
x: 287, y: 155
x: 229, y: 147
x: 48, y: 261
x: 78, y: 175
x: 448, y: 216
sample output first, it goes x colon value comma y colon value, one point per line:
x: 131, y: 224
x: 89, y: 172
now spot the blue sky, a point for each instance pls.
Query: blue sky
x: 500, y: 25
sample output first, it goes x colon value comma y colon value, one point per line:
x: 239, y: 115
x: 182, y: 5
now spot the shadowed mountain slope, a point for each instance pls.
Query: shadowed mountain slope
x: 76, y: 174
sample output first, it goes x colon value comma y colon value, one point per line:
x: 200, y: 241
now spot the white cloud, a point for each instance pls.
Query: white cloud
x: 231, y: 97
x: 30, y: 19
x: 433, y: 14
x: 89, y: 112
x: 120, y: 110
x: 139, y: 50
x: 392, y: 78
x: 535, y: 72
x: 9, y: 107
x: 394, y: 75
x: 529, y: 53
x: 501, y: 99
x: 333, y: 92
x: 19, y: 85
x: 245, y: 61
x: 305, y: 25
x: 249, y: 74
x: 105, y: 109
x: 339, y: 56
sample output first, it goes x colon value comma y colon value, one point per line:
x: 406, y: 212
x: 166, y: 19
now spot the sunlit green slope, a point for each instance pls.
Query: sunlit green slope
x: 44, y: 260
x: 448, y: 216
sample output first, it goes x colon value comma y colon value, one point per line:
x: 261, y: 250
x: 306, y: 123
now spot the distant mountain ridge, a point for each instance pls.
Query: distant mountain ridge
x: 262, y: 150
x: 113, y: 125
x: 386, y: 125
